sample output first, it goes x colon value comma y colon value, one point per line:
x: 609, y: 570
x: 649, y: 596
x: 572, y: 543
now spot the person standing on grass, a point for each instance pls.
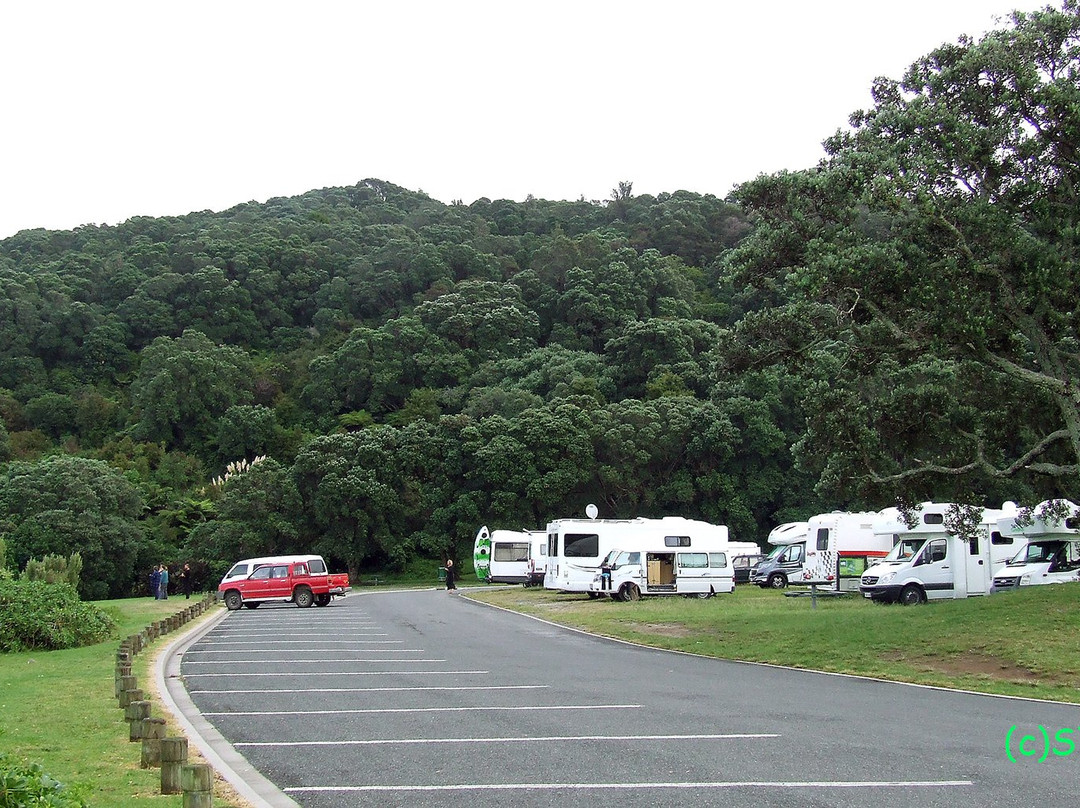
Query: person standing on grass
x: 185, y: 581
x: 450, y: 586
x: 164, y: 582
x: 155, y: 582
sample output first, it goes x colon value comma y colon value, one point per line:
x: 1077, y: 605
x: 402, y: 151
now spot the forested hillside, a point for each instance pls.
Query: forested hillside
x: 900, y: 321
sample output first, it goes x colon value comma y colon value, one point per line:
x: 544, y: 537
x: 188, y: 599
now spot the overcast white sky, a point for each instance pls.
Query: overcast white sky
x: 156, y: 107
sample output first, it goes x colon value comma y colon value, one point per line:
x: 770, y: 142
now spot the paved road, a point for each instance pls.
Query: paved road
x: 423, y: 697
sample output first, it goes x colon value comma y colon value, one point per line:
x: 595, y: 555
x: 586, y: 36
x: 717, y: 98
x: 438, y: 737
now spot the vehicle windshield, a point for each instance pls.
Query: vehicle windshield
x: 904, y: 549
x: 1038, y: 552
x: 775, y: 552
x: 609, y: 559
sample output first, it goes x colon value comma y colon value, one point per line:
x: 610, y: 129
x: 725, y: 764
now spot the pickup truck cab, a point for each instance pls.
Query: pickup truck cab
x: 293, y: 581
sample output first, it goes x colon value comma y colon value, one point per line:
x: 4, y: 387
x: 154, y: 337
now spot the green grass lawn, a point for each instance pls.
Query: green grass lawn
x: 58, y: 708
x: 1024, y: 643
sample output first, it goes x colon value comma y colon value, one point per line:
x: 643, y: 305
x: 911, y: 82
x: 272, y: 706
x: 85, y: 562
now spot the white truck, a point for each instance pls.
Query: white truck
x: 510, y: 556
x: 928, y: 563
x: 576, y: 547
x: 1052, y: 552
x: 784, y: 563
x: 841, y: 545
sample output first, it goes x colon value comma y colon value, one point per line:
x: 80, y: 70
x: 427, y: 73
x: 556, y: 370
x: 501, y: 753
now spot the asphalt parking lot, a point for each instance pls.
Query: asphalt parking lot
x: 410, y: 698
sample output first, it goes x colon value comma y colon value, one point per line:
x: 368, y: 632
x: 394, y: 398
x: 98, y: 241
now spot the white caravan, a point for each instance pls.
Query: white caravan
x: 840, y: 546
x: 927, y: 562
x: 1052, y: 553
x: 784, y: 563
x: 577, y: 546
x: 510, y: 556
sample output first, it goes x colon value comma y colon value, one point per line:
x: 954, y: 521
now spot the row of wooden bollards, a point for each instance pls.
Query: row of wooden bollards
x: 195, y: 780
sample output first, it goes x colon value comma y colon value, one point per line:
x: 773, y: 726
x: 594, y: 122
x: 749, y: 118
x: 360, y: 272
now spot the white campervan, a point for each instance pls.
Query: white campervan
x: 510, y: 556
x: 840, y: 546
x: 1052, y: 553
x: 784, y: 563
x: 927, y: 562
x: 576, y: 547
x: 667, y: 569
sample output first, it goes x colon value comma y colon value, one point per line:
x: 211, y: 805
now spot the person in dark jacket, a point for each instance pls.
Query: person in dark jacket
x: 155, y: 583
x: 450, y: 575
x: 185, y: 581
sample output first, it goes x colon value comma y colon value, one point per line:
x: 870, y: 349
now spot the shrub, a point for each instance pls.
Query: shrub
x: 55, y: 569
x: 26, y: 784
x: 38, y: 616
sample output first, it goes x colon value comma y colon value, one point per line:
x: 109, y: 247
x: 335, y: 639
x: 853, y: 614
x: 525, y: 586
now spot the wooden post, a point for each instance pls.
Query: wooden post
x: 128, y: 696
x: 135, y: 713
x: 153, y: 730
x: 197, y: 780
x: 125, y: 683
x: 173, y: 757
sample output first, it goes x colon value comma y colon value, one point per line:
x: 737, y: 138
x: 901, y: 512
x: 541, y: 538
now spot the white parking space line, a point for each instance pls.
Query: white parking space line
x: 309, y: 640
x: 546, y: 739
x: 377, y: 689
x: 310, y: 651
x: 337, y: 658
x: 482, y: 708
x: 232, y: 675
x: 821, y: 784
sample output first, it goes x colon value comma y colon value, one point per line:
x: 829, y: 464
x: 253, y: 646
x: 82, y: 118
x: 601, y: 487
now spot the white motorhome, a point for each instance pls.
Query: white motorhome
x: 840, y: 546
x: 667, y: 567
x: 1052, y: 552
x: 784, y: 563
x: 577, y: 546
x: 929, y: 563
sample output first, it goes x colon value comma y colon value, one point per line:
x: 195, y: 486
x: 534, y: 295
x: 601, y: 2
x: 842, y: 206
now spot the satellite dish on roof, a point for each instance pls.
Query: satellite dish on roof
x: 591, y: 511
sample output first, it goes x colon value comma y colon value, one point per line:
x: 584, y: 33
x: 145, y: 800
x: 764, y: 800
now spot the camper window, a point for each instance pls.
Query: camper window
x: 510, y: 551
x: 582, y: 545
x: 933, y: 519
x: 997, y: 538
x: 718, y: 560
x: 1069, y: 558
x: 823, y: 538
x: 694, y: 560
x: 676, y: 541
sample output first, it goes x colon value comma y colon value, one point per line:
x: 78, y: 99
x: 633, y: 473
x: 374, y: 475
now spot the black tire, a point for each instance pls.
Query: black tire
x: 777, y: 580
x: 704, y: 595
x: 252, y: 604
x: 303, y: 597
x: 911, y: 595
x: 323, y: 600
x: 233, y: 600
x: 630, y: 592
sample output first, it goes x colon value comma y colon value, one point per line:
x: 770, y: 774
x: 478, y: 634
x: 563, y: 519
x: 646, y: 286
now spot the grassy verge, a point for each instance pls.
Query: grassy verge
x: 58, y: 708
x: 1019, y: 644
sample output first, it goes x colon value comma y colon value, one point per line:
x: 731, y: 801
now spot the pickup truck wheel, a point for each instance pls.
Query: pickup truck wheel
x: 777, y: 581
x: 912, y: 595
x: 233, y: 601
x: 322, y: 600
x: 303, y: 597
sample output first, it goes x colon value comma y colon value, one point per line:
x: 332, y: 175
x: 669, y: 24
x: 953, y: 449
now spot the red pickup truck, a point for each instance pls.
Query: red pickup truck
x: 293, y: 581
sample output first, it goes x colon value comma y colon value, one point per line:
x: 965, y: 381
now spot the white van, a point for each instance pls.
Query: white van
x: 1052, y: 553
x: 784, y: 563
x: 666, y: 569
x: 928, y: 563
x: 576, y: 547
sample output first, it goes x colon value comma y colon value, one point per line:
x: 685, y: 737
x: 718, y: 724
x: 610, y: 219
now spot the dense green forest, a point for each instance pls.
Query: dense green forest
x: 371, y: 374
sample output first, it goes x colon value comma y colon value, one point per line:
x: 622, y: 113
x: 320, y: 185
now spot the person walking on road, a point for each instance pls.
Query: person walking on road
x: 450, y: 586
